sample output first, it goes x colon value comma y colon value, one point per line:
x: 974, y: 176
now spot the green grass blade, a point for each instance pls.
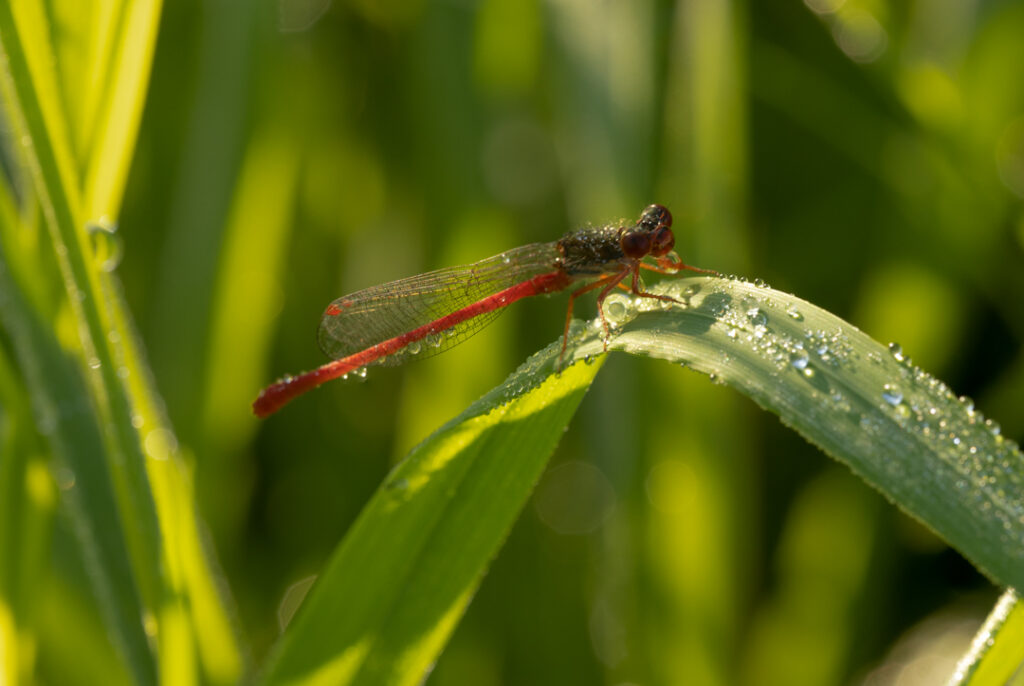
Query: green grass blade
x: 64, y: 413
x: 182, y: 602
x: 217, y: 130
x: 389, y: 598
x: 898, y: 428
x: 192, y: 568
x: 26, y: 511
x: 30, y: 96
x: 394, y: 590
x: 997, y: 654
x: 256, y: 242
x: 124, y: 67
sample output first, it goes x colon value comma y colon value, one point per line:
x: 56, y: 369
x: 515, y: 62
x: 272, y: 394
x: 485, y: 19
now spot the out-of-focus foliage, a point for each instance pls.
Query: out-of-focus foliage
x: 864, y: 154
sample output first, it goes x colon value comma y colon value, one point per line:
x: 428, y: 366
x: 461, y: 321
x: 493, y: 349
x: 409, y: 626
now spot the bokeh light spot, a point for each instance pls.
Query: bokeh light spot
x: 574, y: 498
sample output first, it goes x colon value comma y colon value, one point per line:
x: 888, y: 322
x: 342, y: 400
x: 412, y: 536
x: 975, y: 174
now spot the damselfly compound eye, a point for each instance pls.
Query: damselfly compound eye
x: 635, y: 244
x: 662, y: 241
x: 655, y: 217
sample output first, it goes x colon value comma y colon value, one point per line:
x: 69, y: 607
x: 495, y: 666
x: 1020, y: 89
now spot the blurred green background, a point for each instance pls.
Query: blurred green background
x: 866, y: 155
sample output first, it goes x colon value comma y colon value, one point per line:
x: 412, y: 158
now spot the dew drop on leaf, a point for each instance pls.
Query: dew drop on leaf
x: 892, y: 395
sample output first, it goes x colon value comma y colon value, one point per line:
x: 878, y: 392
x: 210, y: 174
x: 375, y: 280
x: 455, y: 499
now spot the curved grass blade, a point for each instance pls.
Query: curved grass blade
x: 391, y: 595
x: 388, y: 600
x: 867, y: 405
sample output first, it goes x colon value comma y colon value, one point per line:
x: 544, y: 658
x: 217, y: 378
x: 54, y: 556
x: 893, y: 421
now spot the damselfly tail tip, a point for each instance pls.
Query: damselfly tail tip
x: 275, y: 396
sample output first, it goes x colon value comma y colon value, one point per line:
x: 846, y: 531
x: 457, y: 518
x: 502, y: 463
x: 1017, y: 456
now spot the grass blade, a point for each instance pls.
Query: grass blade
x: 865, y: 404
x: 181, y: 600
x: 35, y: 113
x: 389, y: 598
x: 64, y: 413
x: 124, y: 67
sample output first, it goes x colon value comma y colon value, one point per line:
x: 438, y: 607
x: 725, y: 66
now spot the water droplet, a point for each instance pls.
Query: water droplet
x: 414, y: 348
x: 809, y: 372
x: 896, y: 350
x: 993, y: 428
x: 691, y: 290
x: 794, y: 313
x: 757, y: 316
x: 107, y: 247
x: 287, y: 378
x: 434, y: 340
x: 94, y: 363
x: 892, y: 395
x: 618, y: 309
x: 799, y: 361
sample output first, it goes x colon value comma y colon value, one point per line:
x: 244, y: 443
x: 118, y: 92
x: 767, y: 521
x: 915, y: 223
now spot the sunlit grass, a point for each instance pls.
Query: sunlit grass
x: 182, y: 250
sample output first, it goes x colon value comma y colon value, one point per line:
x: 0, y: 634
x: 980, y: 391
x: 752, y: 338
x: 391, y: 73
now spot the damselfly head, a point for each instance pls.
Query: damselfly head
x: 656, y: 222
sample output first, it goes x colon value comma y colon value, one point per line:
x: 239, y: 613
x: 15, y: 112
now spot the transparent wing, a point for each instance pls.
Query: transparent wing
x: 365, y: 318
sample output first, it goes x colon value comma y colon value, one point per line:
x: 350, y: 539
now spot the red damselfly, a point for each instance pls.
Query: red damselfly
x: 427, y: 314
